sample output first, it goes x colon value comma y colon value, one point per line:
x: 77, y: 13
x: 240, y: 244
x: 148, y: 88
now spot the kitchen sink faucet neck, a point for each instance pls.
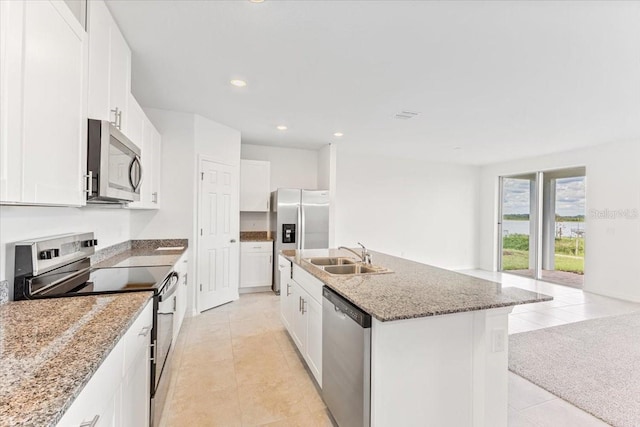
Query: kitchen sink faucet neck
x: 365, y: 256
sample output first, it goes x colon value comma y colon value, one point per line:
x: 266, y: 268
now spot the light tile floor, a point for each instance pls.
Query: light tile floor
x: 236, y: 366
x: 530, y: 405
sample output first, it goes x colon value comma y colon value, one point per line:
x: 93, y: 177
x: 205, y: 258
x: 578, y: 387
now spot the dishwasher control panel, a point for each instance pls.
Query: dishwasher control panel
x: 342, y: 305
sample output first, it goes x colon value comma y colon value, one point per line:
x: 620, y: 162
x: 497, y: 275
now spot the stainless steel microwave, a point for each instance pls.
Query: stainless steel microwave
x: 114, y: 170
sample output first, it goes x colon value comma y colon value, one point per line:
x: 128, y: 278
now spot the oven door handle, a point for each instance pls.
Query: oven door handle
x: 172, y: 281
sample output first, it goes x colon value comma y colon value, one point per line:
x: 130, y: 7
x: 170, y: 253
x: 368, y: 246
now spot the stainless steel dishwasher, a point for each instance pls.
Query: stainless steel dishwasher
x: 346, y: 360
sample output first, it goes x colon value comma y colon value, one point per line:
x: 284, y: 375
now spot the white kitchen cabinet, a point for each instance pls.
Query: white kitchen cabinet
x: 109, y: 68
x: 256, y: 264
x: 118, y: 393
x: 182, y: 269
x: 43, y: 107
x: 151, y: 148
x: 286, y: 298
x: 135, y: 123
x: 301, y: 313
x: 255, y: 186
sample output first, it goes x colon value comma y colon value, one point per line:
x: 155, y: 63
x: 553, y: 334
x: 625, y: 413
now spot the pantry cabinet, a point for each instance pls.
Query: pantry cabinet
x: 109, y: 68
x: 43, y: 105
x: 255, y: 186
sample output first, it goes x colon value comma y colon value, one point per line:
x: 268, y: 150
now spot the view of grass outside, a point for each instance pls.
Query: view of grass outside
x: 569, y: 253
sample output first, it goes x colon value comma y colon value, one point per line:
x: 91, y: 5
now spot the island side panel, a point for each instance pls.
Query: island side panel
x: 440, y: 371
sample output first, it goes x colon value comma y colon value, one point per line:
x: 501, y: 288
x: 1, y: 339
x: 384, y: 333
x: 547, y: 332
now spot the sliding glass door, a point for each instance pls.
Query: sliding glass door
x: 541, y: 225
x: 518, y: 225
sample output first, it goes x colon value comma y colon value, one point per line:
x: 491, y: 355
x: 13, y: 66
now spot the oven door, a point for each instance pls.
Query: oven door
x: 164, y: 325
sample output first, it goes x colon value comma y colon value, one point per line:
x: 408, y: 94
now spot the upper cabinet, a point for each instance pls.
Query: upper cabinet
x: 43, y: 110
x: 151, y: 145
x: 109, y: 68
x: 255, y: 185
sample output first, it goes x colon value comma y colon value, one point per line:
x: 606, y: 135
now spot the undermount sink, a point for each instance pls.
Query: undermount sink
x: 355, y: 269
x: 329, y: 261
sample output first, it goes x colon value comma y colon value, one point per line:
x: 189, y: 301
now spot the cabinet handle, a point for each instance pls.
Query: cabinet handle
x: 120, y: 119
x: 174, y: 304
x: 89, y: 177
x: 288, y: 287
x: 115, y: 117
x: 303, y: 309
x: 184, y: 279
x: 92, y: 423
x: 144, y: 331
x: 299, y: 303
x: 154, y: 197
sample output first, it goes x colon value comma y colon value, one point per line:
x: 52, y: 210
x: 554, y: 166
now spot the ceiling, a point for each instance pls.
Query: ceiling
x: 492, y: 81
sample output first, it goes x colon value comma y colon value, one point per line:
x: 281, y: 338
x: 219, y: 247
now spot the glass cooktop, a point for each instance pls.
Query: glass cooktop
x: 121, y: 279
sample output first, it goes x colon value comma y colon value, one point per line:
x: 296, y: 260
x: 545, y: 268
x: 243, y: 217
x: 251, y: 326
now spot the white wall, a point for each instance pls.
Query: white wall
x: 612, y: 183
x: 290, y: 167
x: 111, y: 225
x: 184, y: 137
x: 419, y: 210
x: 327, y: 180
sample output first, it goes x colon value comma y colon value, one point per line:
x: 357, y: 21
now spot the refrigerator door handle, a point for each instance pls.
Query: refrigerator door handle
x: 303, y: 227
x: 300, y: 228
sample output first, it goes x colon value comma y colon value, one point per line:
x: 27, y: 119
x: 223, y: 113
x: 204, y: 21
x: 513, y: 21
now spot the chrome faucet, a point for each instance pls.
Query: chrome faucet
x: 365, y: 257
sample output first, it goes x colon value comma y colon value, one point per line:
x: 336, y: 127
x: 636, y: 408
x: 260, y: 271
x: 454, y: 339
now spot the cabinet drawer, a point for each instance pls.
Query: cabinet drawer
x: 307, y: 282
x: 137, y: 337
x: 256, y: 246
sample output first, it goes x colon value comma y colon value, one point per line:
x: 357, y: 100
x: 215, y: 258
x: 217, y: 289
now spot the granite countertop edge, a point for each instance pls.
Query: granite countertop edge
x: 331, y: 282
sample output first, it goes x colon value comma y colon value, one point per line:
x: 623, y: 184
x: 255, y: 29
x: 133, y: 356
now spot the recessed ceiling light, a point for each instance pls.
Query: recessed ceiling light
x: 256, y: 1
x: 338, y: 134
x: 457, y: 148
x: 238, y: 83
x: 282, y: 127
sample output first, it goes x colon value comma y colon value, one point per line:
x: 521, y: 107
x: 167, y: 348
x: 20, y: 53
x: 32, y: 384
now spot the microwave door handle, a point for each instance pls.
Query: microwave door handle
x: 135, y: 182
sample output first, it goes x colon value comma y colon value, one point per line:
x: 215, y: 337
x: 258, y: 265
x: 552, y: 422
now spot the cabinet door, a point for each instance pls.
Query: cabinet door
x: 119, y: 74
x: 136, y: 391
x: 286, y: 296
x: 44, y: 133
x: 255, y: 185
x: 255, y: 269
x: 157, y: 167
x: 181, y: 304
x: 99, y: 28
x: 298, y: 324
x: 136, y: 124
x: 313, y: 350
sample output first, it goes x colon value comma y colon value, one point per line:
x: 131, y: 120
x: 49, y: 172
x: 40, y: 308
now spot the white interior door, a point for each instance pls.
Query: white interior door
x: 218, y: 221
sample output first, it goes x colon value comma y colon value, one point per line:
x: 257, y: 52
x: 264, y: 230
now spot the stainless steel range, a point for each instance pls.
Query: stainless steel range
x: 59, y: 266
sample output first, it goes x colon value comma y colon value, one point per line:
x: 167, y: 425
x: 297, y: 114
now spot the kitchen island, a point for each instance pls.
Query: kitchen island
x: 439, y: 339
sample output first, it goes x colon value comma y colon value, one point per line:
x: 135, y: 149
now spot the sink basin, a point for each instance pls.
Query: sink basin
x: 329, y: 261
x: 354, y: 269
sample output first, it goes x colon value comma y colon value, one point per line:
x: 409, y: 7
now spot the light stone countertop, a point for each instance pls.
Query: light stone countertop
x: 143, y: 253
x: 413, y: 289
x: 50, y: 349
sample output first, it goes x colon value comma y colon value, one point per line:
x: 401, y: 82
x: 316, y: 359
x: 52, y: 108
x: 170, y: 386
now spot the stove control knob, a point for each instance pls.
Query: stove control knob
x: 50, y: 253
x: 90, y: 243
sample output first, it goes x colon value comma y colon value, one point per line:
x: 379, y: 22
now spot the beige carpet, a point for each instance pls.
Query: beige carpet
x: 595, y: 365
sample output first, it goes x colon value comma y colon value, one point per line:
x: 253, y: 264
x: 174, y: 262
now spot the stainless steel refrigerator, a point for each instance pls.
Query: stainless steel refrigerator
x: 300, y: 220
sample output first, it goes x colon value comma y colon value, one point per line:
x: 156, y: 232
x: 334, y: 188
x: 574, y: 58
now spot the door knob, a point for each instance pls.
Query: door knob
x: 233, y: 240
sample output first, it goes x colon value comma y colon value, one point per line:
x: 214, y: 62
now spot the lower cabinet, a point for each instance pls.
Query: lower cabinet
x: 118, y: 393
x: 301, y: 311
x: 181, y: 268
x: 256, y: 266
